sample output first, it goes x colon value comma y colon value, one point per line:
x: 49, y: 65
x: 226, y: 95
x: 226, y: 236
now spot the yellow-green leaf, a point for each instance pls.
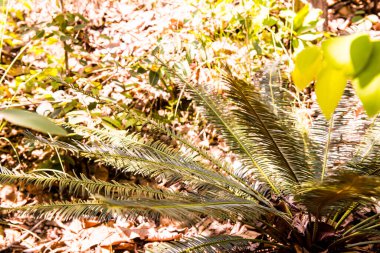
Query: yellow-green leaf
x: 307, y: 65
x: 367, y: 83
x: 329, y: 88
x: 32, y: 120
x: 348, y: 53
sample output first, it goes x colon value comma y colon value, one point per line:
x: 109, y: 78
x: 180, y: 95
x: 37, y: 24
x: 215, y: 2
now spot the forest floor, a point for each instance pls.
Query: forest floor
x: 109, y: 60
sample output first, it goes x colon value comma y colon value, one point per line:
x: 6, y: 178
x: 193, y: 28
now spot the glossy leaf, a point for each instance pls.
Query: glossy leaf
x: 32, y: 120
x: 329, y: 89
x: 367, y: 83
x: 307, y: 66
x: 349, y: 54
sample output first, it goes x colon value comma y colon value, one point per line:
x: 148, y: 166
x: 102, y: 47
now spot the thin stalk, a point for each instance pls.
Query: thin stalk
x: 14, y: 61
x: 14, y: 149
x: 26, y: 81
x: 362, y: 243
x: 67, y: 67
x: 361, y: 223
x: 325, y: 157
x: 3, y: 27
x: 59, y: 156
x: 346, y: 213
x: 315, y: 228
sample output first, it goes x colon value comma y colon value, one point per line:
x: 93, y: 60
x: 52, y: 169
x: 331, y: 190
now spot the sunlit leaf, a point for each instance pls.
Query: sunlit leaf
x: 307, y: 66
x: 367, y: 83
x: 348, y: 53
x: 32, y: 120
x: 329, y: 89
x: 300, y: 17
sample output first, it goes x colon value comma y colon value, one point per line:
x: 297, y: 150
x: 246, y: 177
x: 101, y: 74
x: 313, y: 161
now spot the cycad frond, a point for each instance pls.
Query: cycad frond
x: 221, y: 243
x: 83, y: 186
x: 147, y: 163
x: 338, y: 191
x: 215, y: 110
x: 219, y: 207
x: 270, y: 139
x: 65, y: 210
x: 367, y: 159
x: 106, y: 208
x: 193, y: 155
x: 241, y: 186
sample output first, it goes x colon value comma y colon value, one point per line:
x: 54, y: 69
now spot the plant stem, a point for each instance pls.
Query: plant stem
x: 67, y: 67
x: 331, y: 123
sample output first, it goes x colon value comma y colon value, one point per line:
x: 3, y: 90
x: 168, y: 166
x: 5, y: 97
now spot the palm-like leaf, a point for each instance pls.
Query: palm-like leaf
x: 255, y: 133
x: 222, y: 243
x: 283, y: 151
x: 144, y: 161
x: 338, y: 191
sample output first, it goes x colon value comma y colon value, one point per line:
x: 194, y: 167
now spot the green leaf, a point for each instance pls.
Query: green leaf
x: 153, y: 78
x: 300, y: 17
x: 367, y: 83
x: 32, y: 120
x: 307, y: 66
x: 329, y: 89
x: 350, y: 53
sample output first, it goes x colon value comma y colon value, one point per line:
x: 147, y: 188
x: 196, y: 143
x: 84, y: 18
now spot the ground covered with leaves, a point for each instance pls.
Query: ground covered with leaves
x: 97, y: 63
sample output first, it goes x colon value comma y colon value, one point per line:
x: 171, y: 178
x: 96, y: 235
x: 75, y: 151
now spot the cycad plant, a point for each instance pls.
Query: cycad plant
x: 281, y: 188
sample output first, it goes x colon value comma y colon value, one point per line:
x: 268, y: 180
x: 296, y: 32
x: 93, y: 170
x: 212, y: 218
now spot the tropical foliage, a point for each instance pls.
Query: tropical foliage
x: 354, y: 57
x: 281, y: 187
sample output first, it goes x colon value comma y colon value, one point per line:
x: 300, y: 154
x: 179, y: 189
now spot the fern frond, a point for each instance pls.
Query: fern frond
x: 148, y: 164
x: 214, y: 109
x: 367, y: 159
x: 65, y: 210
x: 83, y: 186
x: 221, y: 243
x: 270, y: 139
x: 224, y: 207
x: 238, y: 185
x: 106, y: 208
x: 338, y: 191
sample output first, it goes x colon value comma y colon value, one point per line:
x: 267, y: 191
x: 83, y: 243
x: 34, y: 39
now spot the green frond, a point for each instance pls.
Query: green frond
x: 123, y: 140
x: 367, y: 159
x: 83, y: 186
x: 223, y: 207
x: 65, y: 210
x: 239, y: 184
x: 271, y: 138
x: 338, y: 191
x: 215, y: 110
x: 146, y: 163
x: 106, y: 208
x: 220, y: 243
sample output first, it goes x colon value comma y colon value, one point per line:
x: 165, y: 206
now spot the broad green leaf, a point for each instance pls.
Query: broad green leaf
x: 32, y: 120
x: 153, y: 77
x: 348, y: 53
x: 329, y: 88
x: 367, y: 83
x: 307, y: 65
